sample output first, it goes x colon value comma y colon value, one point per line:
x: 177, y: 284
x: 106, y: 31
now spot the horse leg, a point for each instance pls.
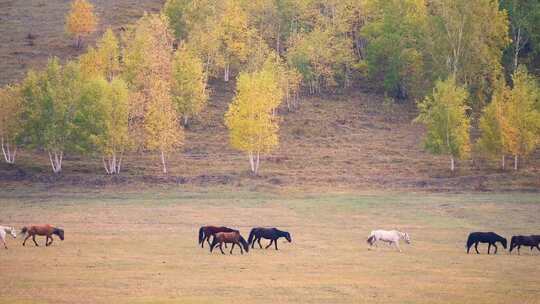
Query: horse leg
x: 275, y: 243
x: 24, y: 242
x: 4, y: 241
x: 208, y: 240
x: 271, y: 241
x: 489, y: 247
x: 34, y: 239
x: 221, y: 248
x: 232, y: 247
x: 397, y: 246
x: 259, y: 241
x: 476, y: 248
x: 519, y: 246
x: 495, y: 248
x: 241, y: 250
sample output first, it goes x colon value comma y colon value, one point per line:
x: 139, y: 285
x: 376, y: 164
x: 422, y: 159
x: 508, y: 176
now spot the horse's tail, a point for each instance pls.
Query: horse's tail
x: 24, y: 231
x: 244, y: 243
x: 201, y: 234
x: 251, y: 236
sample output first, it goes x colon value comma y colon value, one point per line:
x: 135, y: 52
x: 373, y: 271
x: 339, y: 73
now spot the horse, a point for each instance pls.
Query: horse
x: 46, y: 230
x: 484, y: 237
x: 229, y: 237
x: 3, y: 233
x: 522, y: 240
x: 272, y: 234
x: 205, y: 232
x: 392, y: 237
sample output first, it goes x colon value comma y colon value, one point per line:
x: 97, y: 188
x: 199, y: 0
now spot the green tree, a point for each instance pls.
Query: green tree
x: 10, y: 121
x: 252, y: 126
x: 396, y: 36
x: 57, y: 118
x: 467, y: 41
x: 444, y: 115
x: 524, y: 18
x: 491, y: 142
x: 189, y: 92
x: 112, y: 138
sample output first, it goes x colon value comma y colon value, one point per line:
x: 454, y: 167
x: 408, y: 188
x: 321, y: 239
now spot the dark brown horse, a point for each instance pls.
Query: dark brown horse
x: 45, y: 230
x: 272, y: 234
x: 229, y: 237
x: 532, y: 241
x: 205, y: 232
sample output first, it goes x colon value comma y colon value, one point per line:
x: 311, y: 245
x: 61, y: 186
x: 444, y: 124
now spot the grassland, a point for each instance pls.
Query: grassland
x: 140, y: 246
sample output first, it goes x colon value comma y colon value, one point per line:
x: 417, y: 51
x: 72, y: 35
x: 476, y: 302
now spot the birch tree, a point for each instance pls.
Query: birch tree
x: 54, y: 119
x: 444, y: 115
x: 521, y: 121
x: 10, y: 121
x: 467, y: 41
x: 188, y: 90
x: 252, y: 126
x: 148, y: 58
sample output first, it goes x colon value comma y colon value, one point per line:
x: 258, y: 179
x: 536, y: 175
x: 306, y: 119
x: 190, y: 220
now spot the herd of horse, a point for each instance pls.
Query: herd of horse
x: 221, y: 236
x: 225, y: 235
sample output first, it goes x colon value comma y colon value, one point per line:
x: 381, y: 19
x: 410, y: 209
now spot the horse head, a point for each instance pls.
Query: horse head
x: 288, y: 236
x: 59, y: 232
x: 13, y: 232
x: 503, y: 242
x: 407, y: 238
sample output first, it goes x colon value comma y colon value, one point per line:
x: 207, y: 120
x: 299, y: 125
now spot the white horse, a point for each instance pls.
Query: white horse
x: 4, y: 231
x: 392, y: 237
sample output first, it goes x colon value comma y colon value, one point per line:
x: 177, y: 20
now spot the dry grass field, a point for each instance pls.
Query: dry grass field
x: 139, y: 246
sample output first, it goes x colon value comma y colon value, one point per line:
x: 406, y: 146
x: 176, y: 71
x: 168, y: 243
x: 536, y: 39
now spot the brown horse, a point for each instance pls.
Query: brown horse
x: 229, y: 237
x: 46, y: 230
x: 205, y: 232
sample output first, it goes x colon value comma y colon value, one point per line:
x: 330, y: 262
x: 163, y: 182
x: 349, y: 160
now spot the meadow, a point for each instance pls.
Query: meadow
x: 140, y: 246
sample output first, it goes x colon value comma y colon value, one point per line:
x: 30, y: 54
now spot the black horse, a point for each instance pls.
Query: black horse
x: 272, y: 234
x: 484, y: 237
x: 524, y: 240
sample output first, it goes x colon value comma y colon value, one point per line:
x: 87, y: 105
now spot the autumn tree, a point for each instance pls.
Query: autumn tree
x: 252, y: 126
x: 188, y: 90
x: 521, y: 120
x: 104, y: 60
x: 444, y: 115
x: 10, y: 121
x: 148, y: 58
x: 161, y: 126
x: 81, y: 20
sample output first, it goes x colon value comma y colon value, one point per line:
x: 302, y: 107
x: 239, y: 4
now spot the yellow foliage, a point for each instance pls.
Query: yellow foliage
x: 81, y: 20
x: 252, y: 125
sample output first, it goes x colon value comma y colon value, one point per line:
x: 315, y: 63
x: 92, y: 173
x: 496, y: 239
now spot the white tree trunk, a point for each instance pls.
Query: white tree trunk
x: 257, y: 164
x: 452, y: 164
x: 9, y: 155
x: 502, y: 163
x: 163, y: 162
x: 56, y: 161
x: 226, y: 75
x: 251, y: 162
x: 515, y: 162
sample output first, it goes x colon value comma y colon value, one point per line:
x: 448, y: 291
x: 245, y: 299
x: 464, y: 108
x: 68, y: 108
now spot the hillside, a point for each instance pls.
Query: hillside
x: 338, y: 142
